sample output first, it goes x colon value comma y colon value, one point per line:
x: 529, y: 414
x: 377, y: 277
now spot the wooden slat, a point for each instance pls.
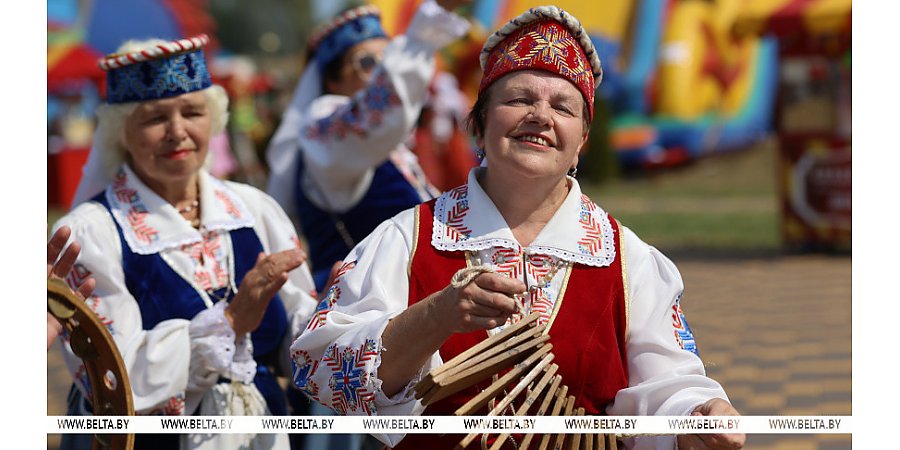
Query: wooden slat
x: 481, y: 346
x: 530, y: 398
x: 485, y: 369
x: 600, y: 441
x: 492, y: 351
x: 548, y: 397
x: 482, y: 398
x: 549, y: 440
x: 575, y: 442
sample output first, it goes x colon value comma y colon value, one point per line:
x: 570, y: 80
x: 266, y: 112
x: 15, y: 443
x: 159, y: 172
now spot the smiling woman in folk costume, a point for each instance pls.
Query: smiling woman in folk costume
x: 201, y: 282
x: 338, y: 161
x: 532, y: 238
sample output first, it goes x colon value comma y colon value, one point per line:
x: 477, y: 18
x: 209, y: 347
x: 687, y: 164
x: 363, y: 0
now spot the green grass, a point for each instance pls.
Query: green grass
x: 725, y: 202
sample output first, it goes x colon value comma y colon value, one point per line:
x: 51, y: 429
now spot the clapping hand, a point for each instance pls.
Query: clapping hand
x: 260, y: 284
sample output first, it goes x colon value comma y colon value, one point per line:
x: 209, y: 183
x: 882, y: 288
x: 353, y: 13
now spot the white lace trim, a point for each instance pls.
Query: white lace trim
x: 213, y: 346
x: 453, y: 228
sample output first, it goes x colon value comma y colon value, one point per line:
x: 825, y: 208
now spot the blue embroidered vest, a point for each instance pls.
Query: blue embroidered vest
x: 162, y: 294
x: 389, y: 193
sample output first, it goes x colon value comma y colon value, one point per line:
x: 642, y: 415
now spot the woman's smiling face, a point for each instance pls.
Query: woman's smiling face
x: 168, y: 139
x: 534, y: 125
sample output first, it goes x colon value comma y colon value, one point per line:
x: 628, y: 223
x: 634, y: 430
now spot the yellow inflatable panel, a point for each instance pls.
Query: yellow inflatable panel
x: 609, y: 17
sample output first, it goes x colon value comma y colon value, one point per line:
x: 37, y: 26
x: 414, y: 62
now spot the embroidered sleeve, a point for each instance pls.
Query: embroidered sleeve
x: 344, y: 139
x: 666, y: 375
x: 336, y: 359
x: 157, y: 359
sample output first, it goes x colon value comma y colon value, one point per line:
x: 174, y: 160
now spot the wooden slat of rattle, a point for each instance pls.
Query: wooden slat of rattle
x: 548, y: 397
x: 600, y: 441
x: 568, y: 410
x: 425, y: 384
x: 558, y: 405
x: 485, y: 369
x: 508, y: 347
x: 482, y: 398
x: 575, y: 442
x: 508, y: 344
x: 508, y: 399
x: 587, y: 441
x: 530, y: 398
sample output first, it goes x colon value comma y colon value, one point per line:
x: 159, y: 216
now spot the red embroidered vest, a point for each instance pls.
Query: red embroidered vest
x: 588, y: 332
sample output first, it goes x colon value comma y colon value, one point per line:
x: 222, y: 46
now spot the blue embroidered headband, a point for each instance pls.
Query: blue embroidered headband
x: 331, y: 40
x: 166, y: 70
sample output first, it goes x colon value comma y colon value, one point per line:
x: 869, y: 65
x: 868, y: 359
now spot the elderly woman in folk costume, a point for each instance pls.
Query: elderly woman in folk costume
x: 202, y: 282
x: 611, y: 302
x: 338, y: 160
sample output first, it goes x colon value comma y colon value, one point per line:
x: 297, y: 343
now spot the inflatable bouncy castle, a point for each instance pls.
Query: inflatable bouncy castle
x: 678, y: 81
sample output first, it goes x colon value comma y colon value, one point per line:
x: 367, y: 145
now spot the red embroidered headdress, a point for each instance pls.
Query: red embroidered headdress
x: 544, y: 38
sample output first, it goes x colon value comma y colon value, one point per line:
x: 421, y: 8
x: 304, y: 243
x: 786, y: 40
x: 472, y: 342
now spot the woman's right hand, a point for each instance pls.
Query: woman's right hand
x: 260, y: 284
x: 487, y: 302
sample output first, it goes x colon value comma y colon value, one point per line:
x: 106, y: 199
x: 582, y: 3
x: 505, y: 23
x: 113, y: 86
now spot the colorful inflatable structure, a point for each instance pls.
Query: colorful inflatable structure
x: 78, y: 35
x: 682, y: 77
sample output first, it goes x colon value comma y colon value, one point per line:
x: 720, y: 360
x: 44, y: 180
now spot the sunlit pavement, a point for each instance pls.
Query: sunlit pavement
x: 775, y: 332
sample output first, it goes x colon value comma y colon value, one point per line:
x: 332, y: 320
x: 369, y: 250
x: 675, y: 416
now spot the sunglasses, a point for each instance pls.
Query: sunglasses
x: 366, y: 62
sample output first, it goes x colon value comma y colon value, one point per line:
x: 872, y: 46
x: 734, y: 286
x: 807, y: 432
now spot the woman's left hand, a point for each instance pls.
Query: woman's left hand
x: 721, y: 441
x: 260, y: 284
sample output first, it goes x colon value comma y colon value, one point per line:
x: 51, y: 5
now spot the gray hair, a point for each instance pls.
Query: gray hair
x: 111, y: 118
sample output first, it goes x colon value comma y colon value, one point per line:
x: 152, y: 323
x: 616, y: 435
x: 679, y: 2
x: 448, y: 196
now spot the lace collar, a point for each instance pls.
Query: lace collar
x: 150, y: 224
x: 465, y: 218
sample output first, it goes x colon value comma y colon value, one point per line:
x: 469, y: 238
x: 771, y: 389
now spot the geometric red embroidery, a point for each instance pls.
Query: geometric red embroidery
x: 456, y: 216
x: 324, y: 307
x: 209, y: 260
x: 229, y: 205
x: 137, y: 212
x: 541, y: 304
x: 459, y: 193
x: 349, y: 381
x: 453, y: 223
x: 591, y: 242
x: 507, y: 262
x: 304, y: 370
x: 331, y: 297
